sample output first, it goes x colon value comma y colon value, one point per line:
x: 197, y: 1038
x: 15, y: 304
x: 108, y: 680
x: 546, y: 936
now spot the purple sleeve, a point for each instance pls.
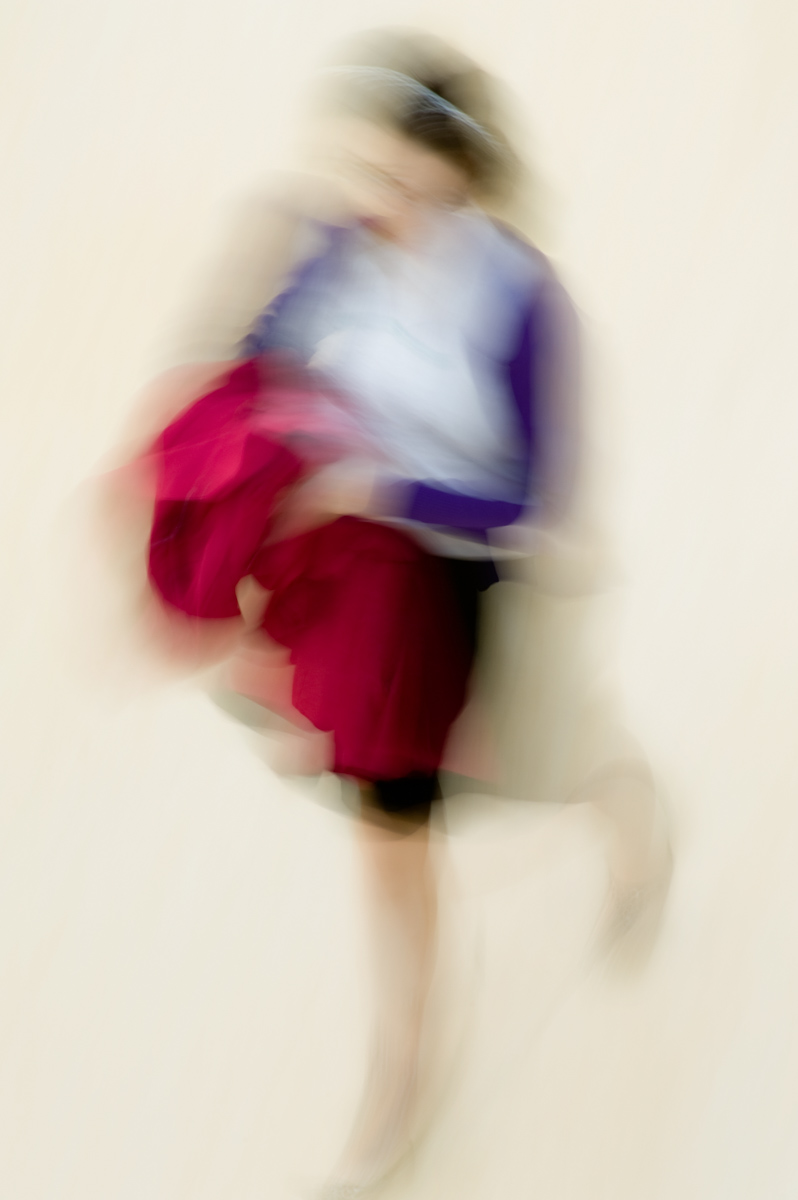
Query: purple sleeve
x: 282, y: 325
x: 433, y: 505
x: 265, y: 333
x: 542, y: 390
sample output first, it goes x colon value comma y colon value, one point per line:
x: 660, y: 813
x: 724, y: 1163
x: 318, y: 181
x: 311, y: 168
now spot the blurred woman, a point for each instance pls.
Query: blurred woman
x: 444, y: 343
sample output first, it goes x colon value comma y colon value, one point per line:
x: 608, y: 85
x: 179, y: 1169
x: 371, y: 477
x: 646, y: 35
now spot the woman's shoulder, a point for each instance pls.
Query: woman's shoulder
x: 517, y: 264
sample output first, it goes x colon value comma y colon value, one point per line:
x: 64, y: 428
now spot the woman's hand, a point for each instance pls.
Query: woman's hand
x: 340, y: 489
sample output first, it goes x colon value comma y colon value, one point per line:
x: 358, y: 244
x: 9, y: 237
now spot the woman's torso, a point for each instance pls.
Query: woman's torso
x: 420, y: 343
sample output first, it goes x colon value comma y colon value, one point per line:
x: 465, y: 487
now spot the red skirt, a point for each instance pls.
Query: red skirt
x: 380, y: 651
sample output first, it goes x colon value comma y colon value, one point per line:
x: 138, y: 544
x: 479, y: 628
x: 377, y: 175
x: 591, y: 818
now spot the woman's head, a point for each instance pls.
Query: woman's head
x: 394, y: 182
x: 414, y: 129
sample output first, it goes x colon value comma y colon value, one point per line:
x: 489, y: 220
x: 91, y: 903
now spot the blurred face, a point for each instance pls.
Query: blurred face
x: 396, y: 185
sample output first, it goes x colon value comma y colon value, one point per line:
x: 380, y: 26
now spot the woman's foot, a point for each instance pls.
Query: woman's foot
x: 629, y: 924
x: 640, y: 865
x: 381, y: 1136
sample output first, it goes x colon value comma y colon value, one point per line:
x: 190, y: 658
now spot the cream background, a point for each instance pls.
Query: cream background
x: 181, y: 1013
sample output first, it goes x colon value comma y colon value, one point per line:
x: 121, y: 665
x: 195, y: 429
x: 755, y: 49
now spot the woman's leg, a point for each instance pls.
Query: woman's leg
x: 381, y: 636
x: 401, y: 898
x: 397, y: 854
x: 630, y: 814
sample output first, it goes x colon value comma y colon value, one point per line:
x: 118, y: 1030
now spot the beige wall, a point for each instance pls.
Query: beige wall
x: 176, y: 927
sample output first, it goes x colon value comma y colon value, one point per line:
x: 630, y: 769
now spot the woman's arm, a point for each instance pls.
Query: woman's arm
x: 283, y: 325
x: 542, y: 377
